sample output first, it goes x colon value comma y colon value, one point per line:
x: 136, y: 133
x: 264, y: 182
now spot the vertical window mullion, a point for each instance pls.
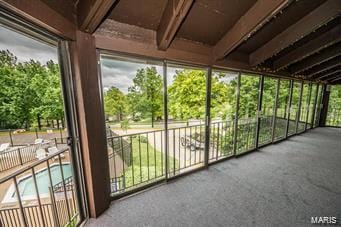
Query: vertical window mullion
x: 235, y: 135
x: 208, y: 115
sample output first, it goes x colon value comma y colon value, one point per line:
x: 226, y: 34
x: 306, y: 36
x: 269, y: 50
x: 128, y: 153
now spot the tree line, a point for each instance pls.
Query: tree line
x: 30, y: 92
x: 186, y: 96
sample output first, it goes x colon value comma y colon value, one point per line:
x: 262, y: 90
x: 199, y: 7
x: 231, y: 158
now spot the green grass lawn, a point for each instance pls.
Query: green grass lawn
x: 148, y: 163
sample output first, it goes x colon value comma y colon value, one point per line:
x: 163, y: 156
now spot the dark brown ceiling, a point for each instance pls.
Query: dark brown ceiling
x: 65, y: 8
x: 288, y: 17
x: 146, y: 14
x: 332, y: 24
x: 209, y: 20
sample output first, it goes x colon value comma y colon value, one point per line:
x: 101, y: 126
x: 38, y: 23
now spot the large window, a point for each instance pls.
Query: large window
x: 133, y: 105
x: 312, y: 105
x: 334, y: 106
x: 267, y: 110
x: 304, y: 107
x: 293, y: 114
x: 318, y: 105
x: 282, y: 109
x: 247, y: 113
x: 223, y: 109
x: 37, y: 181
x: 157, y: 116
x: 186, y: 98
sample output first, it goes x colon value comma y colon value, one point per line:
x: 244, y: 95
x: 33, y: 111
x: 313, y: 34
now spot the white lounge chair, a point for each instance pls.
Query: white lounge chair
x: 4, y: 147
x: 41, y: 141
x: 40, y: 154
x: 53, y: 150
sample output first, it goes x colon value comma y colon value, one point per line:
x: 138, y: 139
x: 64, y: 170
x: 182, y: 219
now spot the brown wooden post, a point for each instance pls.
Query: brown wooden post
x: 325, y: 103
x: 91, y: 122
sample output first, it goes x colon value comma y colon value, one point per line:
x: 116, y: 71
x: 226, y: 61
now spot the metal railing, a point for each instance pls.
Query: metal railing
x: 246, y: 135
x: 11, y: 216
x: 136, y: 159
x: 265, y: 131
x: 142, y: 158
x: 221, y: 140
x: 19, y: 156
x: 334, y: 117
x: 64, y: 210
x: 139, y: 159
x: 50, y: 204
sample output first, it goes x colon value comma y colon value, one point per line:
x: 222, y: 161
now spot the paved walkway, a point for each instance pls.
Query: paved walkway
x: 282, y: 185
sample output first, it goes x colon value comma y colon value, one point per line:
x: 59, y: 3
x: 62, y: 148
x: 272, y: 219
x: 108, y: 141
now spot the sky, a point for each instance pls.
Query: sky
x: 26, y: 48
x: 114, y: 73
x: 120, y: 74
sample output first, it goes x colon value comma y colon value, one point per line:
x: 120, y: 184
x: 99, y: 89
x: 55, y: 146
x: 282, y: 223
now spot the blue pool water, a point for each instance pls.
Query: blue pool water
x: 26, y: 185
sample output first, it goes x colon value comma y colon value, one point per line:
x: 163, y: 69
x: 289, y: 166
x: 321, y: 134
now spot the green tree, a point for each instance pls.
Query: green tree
x: 187, y: 94
x: 9, y: 115
x: 52, y: 100
x: 115, y: 103
x: 145, y: 96
x: 29, y: 91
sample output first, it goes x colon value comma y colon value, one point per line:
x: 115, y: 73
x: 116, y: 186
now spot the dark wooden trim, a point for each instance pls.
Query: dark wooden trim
x: 249, y: 23
x: 91, y: 123
x: 320, y: 16
x: 324, y: 67
x: 172, y: 17
x: 325, y: 103
x: 323, y: 41
x: 133, y: 47
x: 333, y: 73
x: 334, y: 78
x: 183, y: 51
x: 91, y: 13
x: 42, y: 15
x: 323, y: 56
x: 326, y: 73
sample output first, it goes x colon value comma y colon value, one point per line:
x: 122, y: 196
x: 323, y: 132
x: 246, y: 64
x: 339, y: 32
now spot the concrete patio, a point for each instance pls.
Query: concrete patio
x: 284, y: 184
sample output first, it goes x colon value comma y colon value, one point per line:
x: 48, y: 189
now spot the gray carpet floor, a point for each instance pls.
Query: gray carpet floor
x: 284, y: 184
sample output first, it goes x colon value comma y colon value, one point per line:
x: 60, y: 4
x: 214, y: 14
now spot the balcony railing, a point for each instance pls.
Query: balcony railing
x: 334, y: 117
x: 21, y: 155
x: 143, y: 158
x: 41, y: 194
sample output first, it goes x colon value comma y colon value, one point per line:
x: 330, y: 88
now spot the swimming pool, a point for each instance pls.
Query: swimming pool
x: 26, y: 184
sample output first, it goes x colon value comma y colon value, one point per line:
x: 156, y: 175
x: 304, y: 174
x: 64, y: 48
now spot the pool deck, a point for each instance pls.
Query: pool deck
x: 6, y: 185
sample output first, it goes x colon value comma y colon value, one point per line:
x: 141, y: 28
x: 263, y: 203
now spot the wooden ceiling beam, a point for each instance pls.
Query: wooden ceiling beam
x: 172, y: 17
x: 318, y: 17
x: 335, y: 62
x: 337, y: 78
x: 261, y: 12
x: 328, y: 74
x: 332, y: 77
x: 91, y: 13
x: 323, y: 41
x: 316, y: 59
x: 42, y: 15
